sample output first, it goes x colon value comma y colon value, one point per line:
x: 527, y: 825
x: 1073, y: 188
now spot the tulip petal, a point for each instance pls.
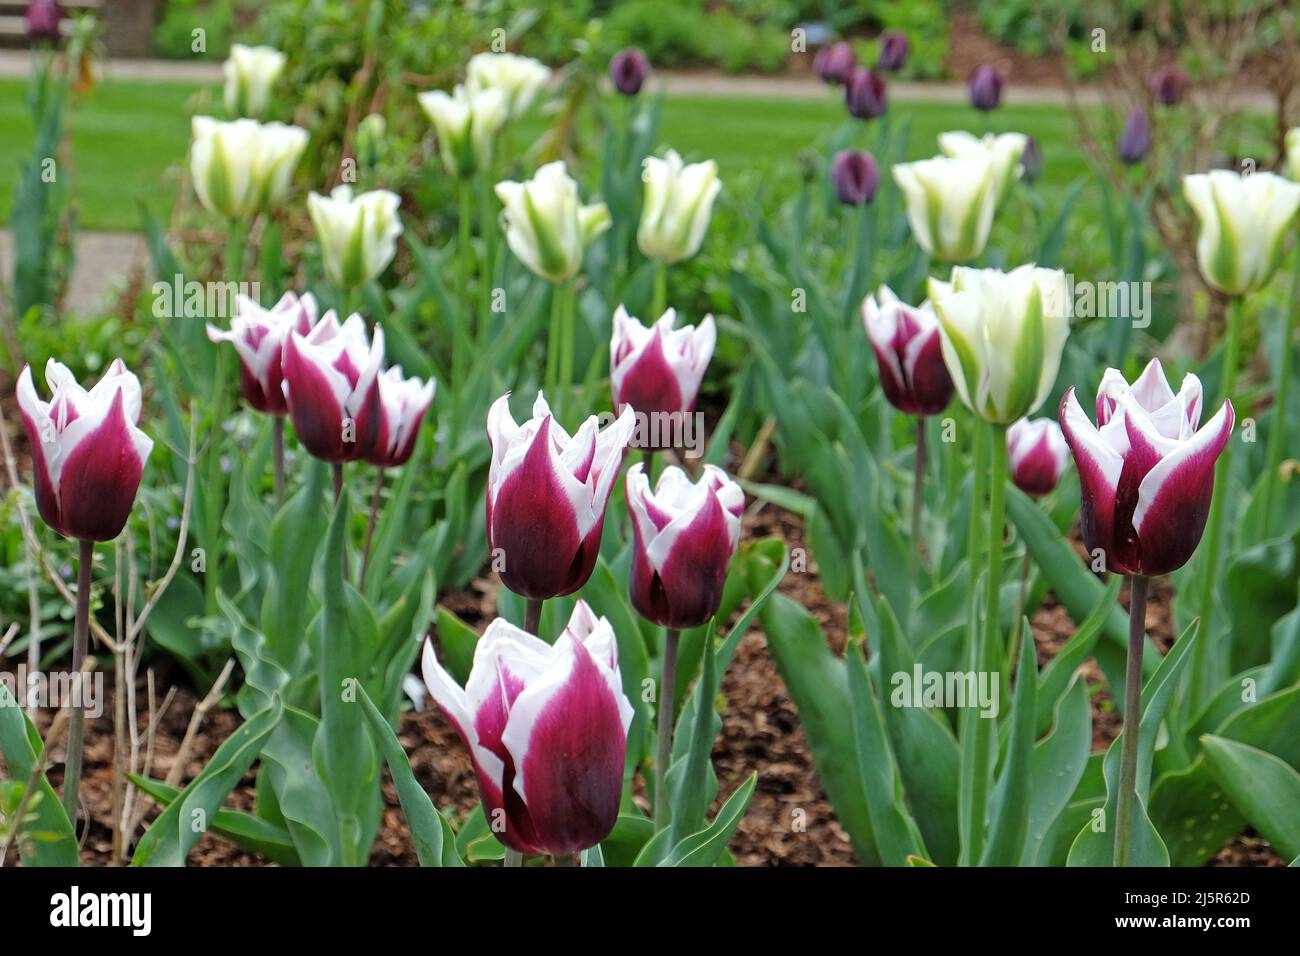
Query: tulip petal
x: 315, y: 393
x: 567, y: 735
x: 101, y: 472
x: 1099, y: 467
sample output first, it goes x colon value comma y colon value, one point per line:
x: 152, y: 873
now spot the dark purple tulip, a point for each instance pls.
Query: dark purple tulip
x: 43, y: 18
x: 629, y: 69
x: 1031, y: 160
x: 864, y: 93
x: 835, y: 62
x: 1136, y: 141
x: 1170, y: 85
x: 893, y: 51
x: 855, y: 176
x: 986, y: 87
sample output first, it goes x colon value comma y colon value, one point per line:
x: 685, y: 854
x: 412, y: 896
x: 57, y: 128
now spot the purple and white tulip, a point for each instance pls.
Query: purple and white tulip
x: 658, y: 370
x: 546, y: 726
x: 546, y: 496
x: 258, y: 335
x: 87, y: 453
x: 1146, y: 473
x: 331, y: 386
x: 1037, y: 454
x: 908, y: 349
x: 402, y: 404
x: 685, y: 536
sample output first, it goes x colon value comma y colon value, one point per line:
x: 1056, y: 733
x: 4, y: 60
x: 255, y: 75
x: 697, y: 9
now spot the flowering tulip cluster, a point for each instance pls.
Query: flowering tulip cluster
x: 834, y: 62
x: 467, y: 125
x: 546, y: 726
x: 1146, y: 472
x: 1004, y: 151
x: 855, y: 177
x: 519, y: 78
x: 950, y: 203
x: 258, y: 336
x: 985, y: 83
x: 628, y: 70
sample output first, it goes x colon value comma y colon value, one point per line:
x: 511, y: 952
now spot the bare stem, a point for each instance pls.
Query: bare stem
x: 279, y: 461
x: 370, y: 526
x: 664, y: 741
x: 918, y: 494
x: 80, y: 644
x: 1137, y: 616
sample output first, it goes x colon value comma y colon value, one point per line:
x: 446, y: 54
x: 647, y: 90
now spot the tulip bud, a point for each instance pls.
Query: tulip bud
x: 331, y: 388
x: 546, y: 228
x: 1146, y: 474
x: 243, y: 167
x: 357, y: 234
x: 87, y: 453
x: 628, y: 70
x: 893, y: 51
x: 370, y: 139
x: 678, y: 205
x: 402, y: 404
x: 950, y: 203
x: 1244, y: 221
x: 1003, y: 333
x: 258, y: 336
x: 909, y: 351
x: 986, y: 87
x: 834, y: 62
x: 1031, y: 160
x: 43, y: 18
x: 685, y: 536
x: 519, y: 78
x: 658, y: 370
x: 467, y: 125
x: 1135, y: 142
x: 546, y: 496
x: 855, y: 177
x: 1170, y: 85
x: 1005, y: 151
x: 1037, y: 454
x: 250, y: 73
x: 546, y: 726
x: 864, y: 93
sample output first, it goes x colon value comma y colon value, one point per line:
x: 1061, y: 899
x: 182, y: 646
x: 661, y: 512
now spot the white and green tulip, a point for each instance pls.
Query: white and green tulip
x: 518, y: 78
x: 243, y: 167
x: 357, y: 234
x: 467, y: 124
x: 1003, y: 333
x: 1244, y: 221
x: 1003, y: 150
x: 547, y: 228
x: 950, y: 203
x: 678, y: 204
x: 250, y: 73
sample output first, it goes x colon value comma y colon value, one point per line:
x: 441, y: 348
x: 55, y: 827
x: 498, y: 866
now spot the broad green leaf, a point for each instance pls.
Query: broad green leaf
x: 21, y: 745
x: 1006, y: 839
x: 303, y: 802
x: 704, y: 848
x: 1058, y: 764
x: 1264, y: 789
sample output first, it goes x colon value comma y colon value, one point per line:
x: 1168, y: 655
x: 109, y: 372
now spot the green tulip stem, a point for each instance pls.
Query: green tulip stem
x: 1277, y: 435
x: 664, y: 741
x: 997, y: 513
x: 1127, y: 798
x: 974, y: 773
x: 551, y: 378
x: 278, y: 432
x: 236, y: 245
x: 487, y: 272
x: 918, y: 495
x: 375, y: 500
x: 660, y: 301
x: 1218, y: 506
x: 80, y: 645
x: 465, y: 257
x: 568, y: 302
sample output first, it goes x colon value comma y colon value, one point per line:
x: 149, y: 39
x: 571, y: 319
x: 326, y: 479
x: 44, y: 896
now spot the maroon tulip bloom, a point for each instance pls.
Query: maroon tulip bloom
x: 1031, y: 160
x: 893, y: 51
x: 628, y: 69
x: 685, y: 536
x: 258, y: 336
x: 1146, y: 474
x: 985, y: 84
x: 546, y: 726
x: 658, y: 370
x: 546, y: 496
x: 43, y: 18
x: 855, y: 177
x: 87, y: 453
x: 908, y: 350
x: 864, y: 93
x: 1037, y: 454
x: 835, y: 62
x: 1170, y: 85
x: 402, y: 404
x: 1135, y: 142
x: 331, y: 387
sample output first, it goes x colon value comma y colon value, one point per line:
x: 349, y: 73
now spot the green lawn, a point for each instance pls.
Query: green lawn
x: 127, y: 134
